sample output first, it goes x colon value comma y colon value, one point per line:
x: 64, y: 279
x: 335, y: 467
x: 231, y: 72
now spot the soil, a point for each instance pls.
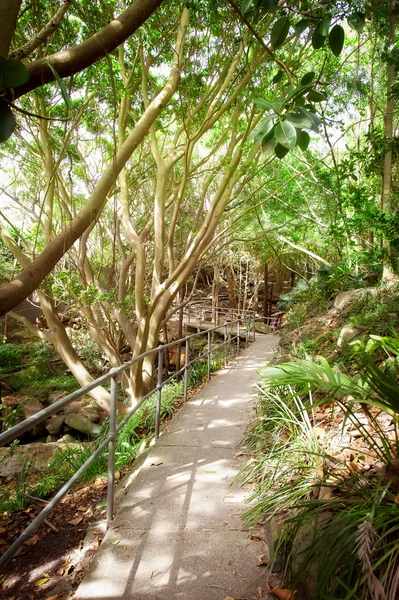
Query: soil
x: 52, y: 562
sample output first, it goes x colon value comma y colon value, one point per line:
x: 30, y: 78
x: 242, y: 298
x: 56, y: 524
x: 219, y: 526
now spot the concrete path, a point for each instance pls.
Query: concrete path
x: 178, y: 533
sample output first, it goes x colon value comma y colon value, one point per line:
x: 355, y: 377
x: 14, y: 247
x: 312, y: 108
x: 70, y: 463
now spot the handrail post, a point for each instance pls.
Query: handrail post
x: 159, y: 392
x: 225, y: 344
x: 186, y: 370
x: 111, y: 449
x: 209, y: 356
x: 217, y: 317
x: 238, y: 336
x: 246, y: 330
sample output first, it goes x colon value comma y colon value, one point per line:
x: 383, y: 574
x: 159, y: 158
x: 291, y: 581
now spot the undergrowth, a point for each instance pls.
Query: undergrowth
x: 333, y: 495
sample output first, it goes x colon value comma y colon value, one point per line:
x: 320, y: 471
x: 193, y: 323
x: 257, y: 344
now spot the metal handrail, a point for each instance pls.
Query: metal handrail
x: 114, y: 428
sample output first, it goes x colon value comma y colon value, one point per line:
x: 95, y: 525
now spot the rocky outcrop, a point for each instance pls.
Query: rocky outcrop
x: 81, y: 424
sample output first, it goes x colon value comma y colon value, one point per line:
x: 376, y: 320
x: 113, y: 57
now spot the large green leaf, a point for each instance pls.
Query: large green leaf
x: 285, y: 134
x: 269, y: 6
x: 303, y: 139
x: 299, y: 120
x: 318, y: 39
x: 63, y: 89
x: 13, y: 73
x: 308, y: 78
x: 7, y: 121
x: 324, y: 25
x: 264, y: 103
x: 278, y: 76
x: 245, y: 6
x: 301, y: 26
x: 268, y: 142
x: 357, y: 21
x: 280, y: 151
x: 336, y: 39
x: 314, y: 118
x: 279, y: 32
x: 262, y: 129
x: 315, y: 96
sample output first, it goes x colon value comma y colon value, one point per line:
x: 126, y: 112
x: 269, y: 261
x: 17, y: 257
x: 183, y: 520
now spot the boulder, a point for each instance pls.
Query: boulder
x: 90, y: 413
x: 347, y: 333
x: 30, y: 456
x: 67, y: 439
x: 32, y: 407
x: 72, y: 408
x: 344, y: 298
x: 80, y: 423
x: 54, y: 424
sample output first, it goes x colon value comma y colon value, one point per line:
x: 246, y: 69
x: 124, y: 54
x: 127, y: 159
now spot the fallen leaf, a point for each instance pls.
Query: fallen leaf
x: 127, y: 548
x: 262, y: 560
x: 75, y: 521
x: 115, y: 542
x: 82, y: 508
x: 260, y: 592
x: 256, y: 536
x: 2, y: 530
x: 397, y: 499
x: 156, y: 463
x: 32, y: 540
x: 283, y: 594
x: 42, y: 581
x: 11, y: 598
x: 3, y: 542
x: 209, y: 471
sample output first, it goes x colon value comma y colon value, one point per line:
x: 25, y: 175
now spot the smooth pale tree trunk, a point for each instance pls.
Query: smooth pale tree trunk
x: 388, y: 274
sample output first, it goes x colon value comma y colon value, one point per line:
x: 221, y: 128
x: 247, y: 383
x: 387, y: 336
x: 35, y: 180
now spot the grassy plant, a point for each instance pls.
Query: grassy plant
x: 341, y: 523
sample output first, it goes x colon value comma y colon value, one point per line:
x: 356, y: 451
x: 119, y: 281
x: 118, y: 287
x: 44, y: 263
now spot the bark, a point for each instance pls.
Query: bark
x: 29, y: 280
x: 388, y: 274
x: 79, y: 57
x: 9, y: 10
x: 265, y: 297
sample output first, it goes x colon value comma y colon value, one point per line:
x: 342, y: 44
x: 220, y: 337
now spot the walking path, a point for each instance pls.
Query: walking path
x: 178, y: 533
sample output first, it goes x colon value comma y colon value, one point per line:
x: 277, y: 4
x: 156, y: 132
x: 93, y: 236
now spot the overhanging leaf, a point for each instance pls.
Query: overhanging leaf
x: 315, y: 96
x: 63, y: 89
x: 318, y: 39
x: 245, y: 6
x: 262, y: 129
x: 268, y: 142
x: 280, y: 151
x: 357, y: 21
x: 303, y: 140
x: 300, y: 120
x: 301, y: 26
x: 313, y: 117
x: 263, y: 103
x: 13, y: 73
x: 278, y: 76
x: 308, y: 78
x: 7, y: 121
x: 336, y: 39
x: 324, y: 25
x: 285, y: 134
x: 269, y: 6
x: 279, y: 32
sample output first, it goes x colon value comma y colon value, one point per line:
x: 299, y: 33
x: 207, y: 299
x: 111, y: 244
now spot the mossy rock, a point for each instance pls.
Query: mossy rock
x: 30, y: 375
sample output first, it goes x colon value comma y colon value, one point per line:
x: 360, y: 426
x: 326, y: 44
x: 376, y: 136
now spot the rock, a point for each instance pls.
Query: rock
x: 55, y: 396
x: 32, y: 456
x: 67, y: 439
x: 348, y: 333
x: 72, y: 408
x: 345, y: 298
x: 54, y: 424
x: 32, y: 407
x: 80, y: 423
x: 90, y: 413
x: 50, y: 439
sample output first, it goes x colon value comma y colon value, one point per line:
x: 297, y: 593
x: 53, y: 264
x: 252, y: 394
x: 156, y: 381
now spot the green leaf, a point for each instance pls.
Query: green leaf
x: 303, y: 139
x: 279, y: 32
x: 269, y: 6
x: 300, y: 120
x: 314, y: 119
x: 63, y: 89
x: 13, y: 73
x: 324, y: 26
x: 268, y: 142
x: 301, y: 26
x: 285, y: 134
x: 357, y: 21
x: 264, y: 103
x: 261, y: 129
x: 278, y: 76
x: 317, y: 38
x: 308, y: 78
x: 316, y: 96
x: 245, y: 6
x: 7, y: 121
x: 280, y: 151
x: 336, y: 39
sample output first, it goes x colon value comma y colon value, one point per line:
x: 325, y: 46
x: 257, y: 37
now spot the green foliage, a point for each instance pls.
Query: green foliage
x: 340, y: 526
